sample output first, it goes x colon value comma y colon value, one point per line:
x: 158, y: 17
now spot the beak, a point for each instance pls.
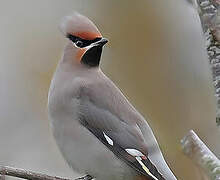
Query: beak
x: 102, y: 42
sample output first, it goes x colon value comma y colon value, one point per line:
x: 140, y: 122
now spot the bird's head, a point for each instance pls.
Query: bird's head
x: 85, y: 40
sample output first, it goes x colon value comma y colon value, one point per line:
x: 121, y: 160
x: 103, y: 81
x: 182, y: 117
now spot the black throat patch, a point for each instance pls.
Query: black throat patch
x: 92, y: 56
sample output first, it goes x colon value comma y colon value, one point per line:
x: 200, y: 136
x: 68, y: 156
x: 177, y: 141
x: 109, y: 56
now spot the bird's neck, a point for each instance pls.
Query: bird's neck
x: 70, y: 67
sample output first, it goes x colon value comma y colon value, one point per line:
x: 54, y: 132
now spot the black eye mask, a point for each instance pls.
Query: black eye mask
x: 81, y: 43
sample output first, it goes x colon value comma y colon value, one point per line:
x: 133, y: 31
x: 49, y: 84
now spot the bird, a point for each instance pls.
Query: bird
x: 97, y: 130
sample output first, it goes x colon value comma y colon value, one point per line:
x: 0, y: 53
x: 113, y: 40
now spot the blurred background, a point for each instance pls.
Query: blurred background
x: 156, y: 56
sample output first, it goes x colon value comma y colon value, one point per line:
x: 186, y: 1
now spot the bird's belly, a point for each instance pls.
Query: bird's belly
x: 86, y: 154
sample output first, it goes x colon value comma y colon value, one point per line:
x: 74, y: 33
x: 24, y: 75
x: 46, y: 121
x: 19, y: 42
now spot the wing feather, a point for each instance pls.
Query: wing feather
x: 117, y: 135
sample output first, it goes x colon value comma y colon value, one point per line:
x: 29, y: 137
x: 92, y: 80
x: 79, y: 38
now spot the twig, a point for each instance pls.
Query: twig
x: 21, y: 173
x: 197, y: 151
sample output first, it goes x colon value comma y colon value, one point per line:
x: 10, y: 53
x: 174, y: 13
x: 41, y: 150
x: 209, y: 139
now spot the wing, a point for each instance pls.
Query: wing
x: 122, y: 137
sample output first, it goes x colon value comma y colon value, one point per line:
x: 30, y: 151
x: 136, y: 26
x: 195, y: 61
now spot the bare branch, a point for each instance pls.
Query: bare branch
x: 21, y: 173
x: 209, y: 13
x: 197, y: 151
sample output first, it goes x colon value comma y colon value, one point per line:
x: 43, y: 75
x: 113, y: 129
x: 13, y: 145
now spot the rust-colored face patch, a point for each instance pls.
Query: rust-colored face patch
x: 80, y: 53
x: 87, y: 35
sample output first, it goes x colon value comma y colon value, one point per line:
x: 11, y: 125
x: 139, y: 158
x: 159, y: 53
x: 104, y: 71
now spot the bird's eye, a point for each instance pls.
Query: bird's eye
x: 79, y: 43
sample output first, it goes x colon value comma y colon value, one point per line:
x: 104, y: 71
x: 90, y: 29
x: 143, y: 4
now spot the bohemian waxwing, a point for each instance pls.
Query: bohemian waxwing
x: 97, y: 130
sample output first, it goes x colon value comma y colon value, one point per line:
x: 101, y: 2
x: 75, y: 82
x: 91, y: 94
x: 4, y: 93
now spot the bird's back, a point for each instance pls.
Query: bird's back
x: 118, y: 104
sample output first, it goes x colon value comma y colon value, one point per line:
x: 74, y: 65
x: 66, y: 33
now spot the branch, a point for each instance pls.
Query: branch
x: 209, y: 13
x: 21, y: 173
x: 199, y: 153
